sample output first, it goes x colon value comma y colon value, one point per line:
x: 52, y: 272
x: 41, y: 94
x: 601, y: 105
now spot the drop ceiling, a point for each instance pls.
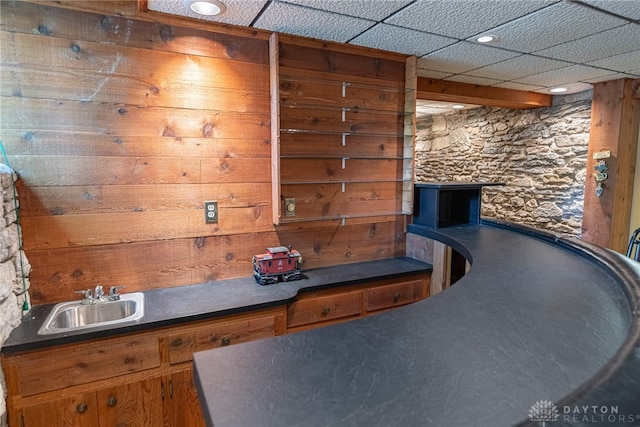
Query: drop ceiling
x: 539, y: 44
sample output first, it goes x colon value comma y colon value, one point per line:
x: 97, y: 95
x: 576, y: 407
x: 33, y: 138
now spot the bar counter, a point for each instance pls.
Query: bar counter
x: 538, y: 320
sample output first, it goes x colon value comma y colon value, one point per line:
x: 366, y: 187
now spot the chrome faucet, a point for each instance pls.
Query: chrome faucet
x: 98, y: 294
x: 92, y: 296
x: 88, y: 296
x: 113, y: 292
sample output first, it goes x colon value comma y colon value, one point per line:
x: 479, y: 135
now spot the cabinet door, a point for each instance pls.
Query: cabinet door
x: 183, y: 400
x: 388, y: 296
x: 215, y: 334
x: 79, y: 410
x: 311, y: 309
x: 137, y: 404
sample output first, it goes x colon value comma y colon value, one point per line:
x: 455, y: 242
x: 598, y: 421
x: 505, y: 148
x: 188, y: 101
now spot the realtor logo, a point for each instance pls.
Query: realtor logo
x: 543, y: 411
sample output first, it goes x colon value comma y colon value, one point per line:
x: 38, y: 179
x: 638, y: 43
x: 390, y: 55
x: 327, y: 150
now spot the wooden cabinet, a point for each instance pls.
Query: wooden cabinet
x: 138, y: 380
x: 146, y: 379
x: 184, y: 407
x: 321, y: 308
x: 79, y: 410
x: 190, y: 339
x: 387, y: 296
x: 138, y: 403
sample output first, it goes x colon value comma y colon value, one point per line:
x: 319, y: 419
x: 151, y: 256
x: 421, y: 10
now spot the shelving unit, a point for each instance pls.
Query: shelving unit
x: 342, y: 145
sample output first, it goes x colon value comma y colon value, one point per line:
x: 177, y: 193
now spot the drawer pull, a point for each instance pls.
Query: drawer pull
x: 225, y: 341
x: 82, y: 408
x: 325, y: 311
x: 396, y: 297
x: 112, y: 401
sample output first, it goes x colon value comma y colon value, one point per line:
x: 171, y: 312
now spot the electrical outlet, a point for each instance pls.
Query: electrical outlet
x: 289, y: 207
x: 211, y: 212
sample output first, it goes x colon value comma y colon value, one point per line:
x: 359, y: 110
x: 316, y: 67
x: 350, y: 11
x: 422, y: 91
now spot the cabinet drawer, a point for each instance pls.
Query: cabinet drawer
x: 66, y: 366
x: 320, y: 309
x: 183, y: 344
x: 394, y: 295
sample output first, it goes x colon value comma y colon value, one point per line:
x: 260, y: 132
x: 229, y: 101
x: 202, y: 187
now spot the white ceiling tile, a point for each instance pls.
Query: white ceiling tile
x: 518, y: 67
x: 556, y: 24
x: 624, y: 63
x: 608, y: 43
x: 239, y: 12
x: 367, y: 9
x: 403, y: 40
x: 482, y: 81
x: 463, y: 18
x: 424, y: 72
x: 464, y: 56
x: 627, y: 8
x: 302, y: 21
x: 559, y: 33
x: 565, y: 75
x: 571, y: 88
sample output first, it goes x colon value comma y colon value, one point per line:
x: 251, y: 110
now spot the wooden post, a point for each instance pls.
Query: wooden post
x: 274, y: 83
x: 615, y: 116
x: 441, y: 274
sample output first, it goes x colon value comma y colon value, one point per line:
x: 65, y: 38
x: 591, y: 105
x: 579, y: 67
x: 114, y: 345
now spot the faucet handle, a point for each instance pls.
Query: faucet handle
x: 87, y: 296
x: 113, y: 292
x: 87, y: 293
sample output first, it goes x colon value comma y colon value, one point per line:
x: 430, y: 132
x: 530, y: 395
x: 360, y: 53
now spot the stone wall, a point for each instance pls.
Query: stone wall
x: 13, y: 267
x: 540, y: 154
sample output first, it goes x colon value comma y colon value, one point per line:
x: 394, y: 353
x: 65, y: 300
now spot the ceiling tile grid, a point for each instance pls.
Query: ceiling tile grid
x: 403, y: 40
x: 303, y: 21
x: 462, y: 19
x: 538, y: 44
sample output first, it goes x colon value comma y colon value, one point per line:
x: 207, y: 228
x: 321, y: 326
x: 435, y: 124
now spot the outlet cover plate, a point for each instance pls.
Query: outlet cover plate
x: 290, y: 207
x: 211, y: 212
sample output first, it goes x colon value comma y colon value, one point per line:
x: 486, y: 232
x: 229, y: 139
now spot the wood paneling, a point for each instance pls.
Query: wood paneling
x: 353, y: 65
x: 314, y: 145
x: 328, y: 200
x: 615, y: 119
x: 122, y: 123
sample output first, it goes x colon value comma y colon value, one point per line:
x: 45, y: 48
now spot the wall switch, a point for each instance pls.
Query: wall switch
x: 211, y: 212
x: 289, y: 207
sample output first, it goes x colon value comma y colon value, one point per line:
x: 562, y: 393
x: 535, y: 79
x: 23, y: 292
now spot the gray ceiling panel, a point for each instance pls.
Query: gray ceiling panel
x: 403, y: 40
x: 538, y: 42
x: 463, y: 18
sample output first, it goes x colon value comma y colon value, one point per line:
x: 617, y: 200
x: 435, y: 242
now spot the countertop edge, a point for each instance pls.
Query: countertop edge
x: 29, y: 341
x: 627, y: 275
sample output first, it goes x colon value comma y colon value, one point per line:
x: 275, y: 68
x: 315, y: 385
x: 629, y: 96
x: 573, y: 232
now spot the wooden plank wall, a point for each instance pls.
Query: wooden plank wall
x: 615, y: 119
x: 121, y: 128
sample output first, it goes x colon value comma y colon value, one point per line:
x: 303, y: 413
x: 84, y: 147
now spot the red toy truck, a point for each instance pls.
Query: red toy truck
x: 278, y: 264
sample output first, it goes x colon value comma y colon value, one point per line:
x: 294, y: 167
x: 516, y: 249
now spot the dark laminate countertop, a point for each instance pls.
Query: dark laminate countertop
x: 537, y: 318
x: 173, y: 306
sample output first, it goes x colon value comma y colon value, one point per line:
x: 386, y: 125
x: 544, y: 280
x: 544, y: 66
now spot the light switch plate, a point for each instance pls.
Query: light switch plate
x: 211, y: 212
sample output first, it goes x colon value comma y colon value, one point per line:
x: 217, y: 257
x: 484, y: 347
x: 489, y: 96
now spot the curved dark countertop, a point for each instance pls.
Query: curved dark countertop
x: 182, y: 304
x: 537, y: 318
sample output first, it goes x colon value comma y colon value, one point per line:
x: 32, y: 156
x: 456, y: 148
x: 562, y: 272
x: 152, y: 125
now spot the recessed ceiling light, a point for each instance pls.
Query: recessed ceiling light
x: 558, y: 89
x: 457, y: 106
x: 206, y: 7
x: 485, y: 39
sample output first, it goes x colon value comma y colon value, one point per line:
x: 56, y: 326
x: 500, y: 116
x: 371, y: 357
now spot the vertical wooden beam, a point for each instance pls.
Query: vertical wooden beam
x: 408, y: 153
x: 615, y: 116
x: 274, y: 86
x: 441, y: 274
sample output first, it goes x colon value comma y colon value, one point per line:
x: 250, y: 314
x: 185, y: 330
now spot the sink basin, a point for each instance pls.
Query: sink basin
x: 72, y: 316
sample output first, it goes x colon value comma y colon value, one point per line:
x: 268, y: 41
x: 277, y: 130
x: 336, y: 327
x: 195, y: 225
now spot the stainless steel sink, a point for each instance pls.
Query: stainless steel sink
x: 73, y: 315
